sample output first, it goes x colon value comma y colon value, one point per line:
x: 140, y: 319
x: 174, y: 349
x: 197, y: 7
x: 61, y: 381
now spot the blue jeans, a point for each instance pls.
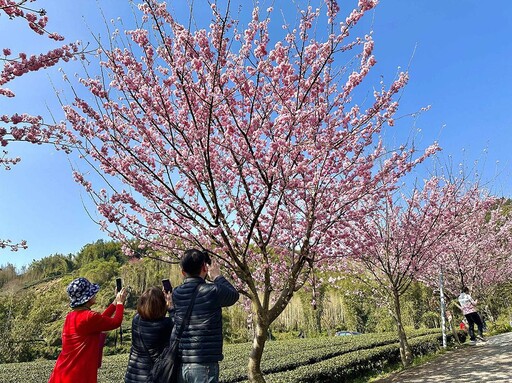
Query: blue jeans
x: 199, y: 373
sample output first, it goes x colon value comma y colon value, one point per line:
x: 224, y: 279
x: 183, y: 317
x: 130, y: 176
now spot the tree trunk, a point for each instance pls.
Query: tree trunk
x: 454, y: 331
x: 318, y: 319
x: 405, y: 349
x: 260, y: 337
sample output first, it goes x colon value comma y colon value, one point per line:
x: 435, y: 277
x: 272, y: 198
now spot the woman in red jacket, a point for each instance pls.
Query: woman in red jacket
x: 80, y: 357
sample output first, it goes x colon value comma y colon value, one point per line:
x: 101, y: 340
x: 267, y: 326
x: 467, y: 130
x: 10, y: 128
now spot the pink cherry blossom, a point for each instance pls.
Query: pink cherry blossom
x: 250, y: 146
x: 34, y: 129
x: 24, y: 127
x: 476, y: 255
x: 12, y: 246
x: 399, y: 239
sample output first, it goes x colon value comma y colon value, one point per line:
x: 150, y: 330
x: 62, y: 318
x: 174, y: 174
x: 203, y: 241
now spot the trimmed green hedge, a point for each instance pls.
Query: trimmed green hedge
x: 300, y: 360
x: 347, y: 366
x: 288, y: 355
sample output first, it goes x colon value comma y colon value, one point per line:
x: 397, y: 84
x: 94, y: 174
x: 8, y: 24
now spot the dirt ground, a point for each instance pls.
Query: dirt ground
x: 484, y: 362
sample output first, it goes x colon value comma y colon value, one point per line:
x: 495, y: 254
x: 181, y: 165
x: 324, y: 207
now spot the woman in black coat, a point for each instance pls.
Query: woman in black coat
x: 151, y: 331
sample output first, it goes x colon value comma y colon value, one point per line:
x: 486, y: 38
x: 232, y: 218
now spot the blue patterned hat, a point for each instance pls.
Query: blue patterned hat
x: 81, y: 290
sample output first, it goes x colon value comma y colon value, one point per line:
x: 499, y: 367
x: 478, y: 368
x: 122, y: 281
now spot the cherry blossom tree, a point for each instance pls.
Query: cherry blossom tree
x: 248, y: 145
x: 478, y: 254
x: 398, y: 242
x: 24, y: 127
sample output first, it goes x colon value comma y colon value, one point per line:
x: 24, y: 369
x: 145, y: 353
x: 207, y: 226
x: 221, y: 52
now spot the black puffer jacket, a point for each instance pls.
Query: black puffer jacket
x: 154, y: 335
x: 202, y: 339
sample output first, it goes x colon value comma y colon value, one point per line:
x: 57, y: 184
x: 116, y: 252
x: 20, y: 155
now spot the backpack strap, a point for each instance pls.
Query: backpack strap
x: 186, y: 318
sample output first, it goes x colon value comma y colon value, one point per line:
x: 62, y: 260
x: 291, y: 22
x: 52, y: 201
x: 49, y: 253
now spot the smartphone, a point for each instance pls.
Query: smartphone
x: 167, y: 285
x: 119, y: 284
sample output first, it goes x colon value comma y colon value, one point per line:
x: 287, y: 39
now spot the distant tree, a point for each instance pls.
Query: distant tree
x: 16, y: 333
x: 398, y: 241
x: 7, y: 273
x: 110, y: 250
x: 250, y: 146
x: 51, y: 266
x: 146, y: 272
x: 477, y: 254
x: 418, y: 298
x: 101, y: 271
x: 359, y: 305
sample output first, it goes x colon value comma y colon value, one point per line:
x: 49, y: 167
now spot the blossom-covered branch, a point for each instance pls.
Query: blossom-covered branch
x: 23, y: 127
x: 247, y: 144
x: 8, y: 244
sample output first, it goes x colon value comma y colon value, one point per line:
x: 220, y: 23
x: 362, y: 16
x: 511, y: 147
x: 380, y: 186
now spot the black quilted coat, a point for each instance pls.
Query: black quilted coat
x: 155, y: 336
x: 202, y: 339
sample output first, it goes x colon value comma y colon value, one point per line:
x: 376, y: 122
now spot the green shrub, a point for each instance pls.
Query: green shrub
x: 325, y: 359
x: 347, y: 366
x: 501, y: 325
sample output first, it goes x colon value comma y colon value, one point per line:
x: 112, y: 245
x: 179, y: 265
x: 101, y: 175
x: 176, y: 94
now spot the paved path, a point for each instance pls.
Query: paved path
x: 484, y: 362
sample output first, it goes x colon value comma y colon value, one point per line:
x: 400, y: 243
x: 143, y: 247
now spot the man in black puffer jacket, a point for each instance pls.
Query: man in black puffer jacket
x: 201, y: 342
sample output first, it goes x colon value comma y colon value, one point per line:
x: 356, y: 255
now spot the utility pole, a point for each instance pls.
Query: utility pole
x: 443, y: 306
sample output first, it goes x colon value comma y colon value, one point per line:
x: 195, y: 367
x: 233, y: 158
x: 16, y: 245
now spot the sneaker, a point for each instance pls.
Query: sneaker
x: 472, y: 342
x: 480, y: 337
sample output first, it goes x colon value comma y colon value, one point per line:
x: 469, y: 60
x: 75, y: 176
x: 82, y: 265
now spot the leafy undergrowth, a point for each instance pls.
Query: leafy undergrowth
x: 299, y: 360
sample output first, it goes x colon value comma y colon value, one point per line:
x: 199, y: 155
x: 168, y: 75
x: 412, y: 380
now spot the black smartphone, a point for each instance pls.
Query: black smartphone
x: 119, y: 284
x: 167, y: 285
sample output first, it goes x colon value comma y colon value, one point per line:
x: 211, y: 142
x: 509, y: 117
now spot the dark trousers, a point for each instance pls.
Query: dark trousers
x: 472, y: 319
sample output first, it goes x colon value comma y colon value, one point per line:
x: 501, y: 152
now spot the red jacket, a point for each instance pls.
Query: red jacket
x: 80, y: 357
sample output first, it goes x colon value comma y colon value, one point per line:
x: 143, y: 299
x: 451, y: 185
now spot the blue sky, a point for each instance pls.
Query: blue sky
x: 458, y: 53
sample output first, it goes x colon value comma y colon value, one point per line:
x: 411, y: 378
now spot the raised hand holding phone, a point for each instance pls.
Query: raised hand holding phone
x: 121, y: 296
x: 166, y: 283
x: 213, y: 270
x: 121, y: 292
x: 167, y: 292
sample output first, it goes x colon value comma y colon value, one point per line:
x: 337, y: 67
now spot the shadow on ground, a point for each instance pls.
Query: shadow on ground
x: 484, y: 362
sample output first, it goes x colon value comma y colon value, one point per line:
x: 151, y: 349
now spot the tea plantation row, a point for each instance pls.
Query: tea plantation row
x: 301, y: 360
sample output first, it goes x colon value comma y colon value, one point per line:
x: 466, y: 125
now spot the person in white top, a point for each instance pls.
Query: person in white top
x: 468, y: 307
